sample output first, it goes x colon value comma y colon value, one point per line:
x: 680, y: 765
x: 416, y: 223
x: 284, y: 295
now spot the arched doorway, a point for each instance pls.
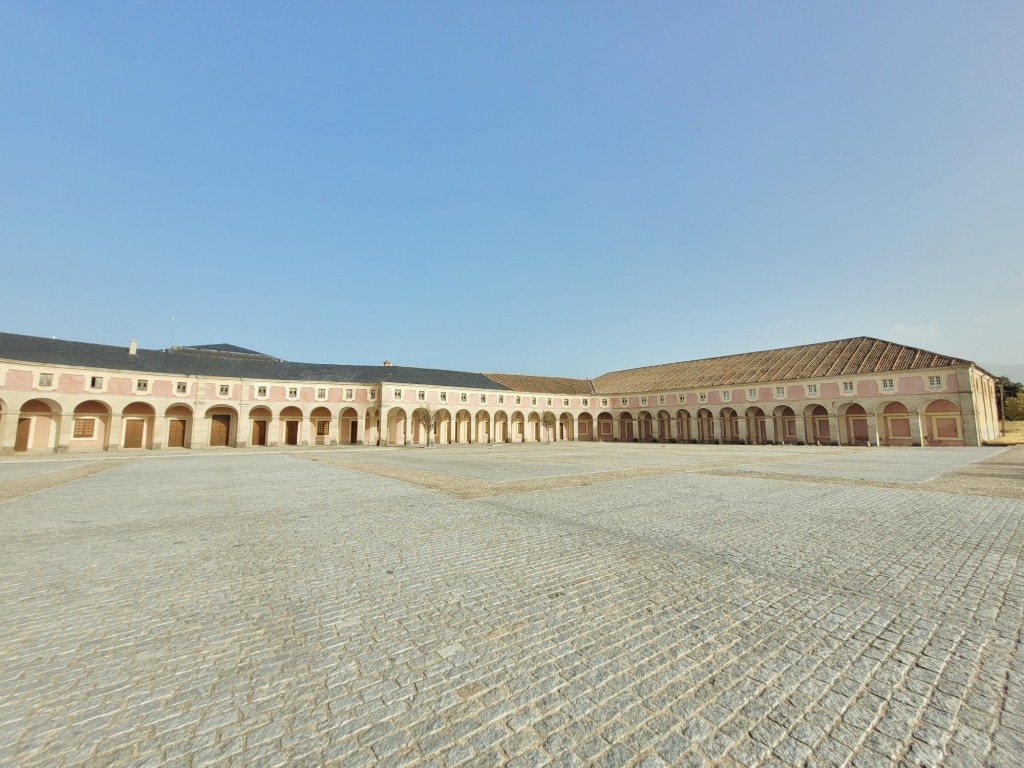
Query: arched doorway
x: 820, y: 431
x: 463, y: 424
x: 730, y: 425
x: 896, y: 425
x: 291, y: 423
x: 320, y: 426
x: 565, y: 427
x: 757, y: 426
x: 178, y: 419
x: 785, y: 425
x: 37, y: 426
x: 645, y: 422
x: 348, y: 427
x: 501, y: 427
x: 518, y: 428
x: 683, y: 426
x: 585, y: 426
x: 705, y: 426
x: 259, y: 425
x: 483, y: 427
x: 605, y: 431
x: 855, y: 421
x: 137, y: 425
x: 443, y: 427
x: 626, y: 433
x: 664, y: 426
x: 943, y: 423
x: 534, y: 430
x: 223, y: 423
x: 396, y: 427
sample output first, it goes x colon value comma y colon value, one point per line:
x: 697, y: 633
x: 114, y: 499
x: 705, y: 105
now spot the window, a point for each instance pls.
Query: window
x: 661, y: 399
x: 812, y: 389
x: 604, y: 402
x: 261, y: 391
x: 85, y: 427
x: 887, y: 385
x: 935, y: 382
x: 293, y: 393
x: 463, y: 397
x: 519, y: 400
x: 643, y: 401
x: 349, y: 394
x: 483, y: 399
x: 501, y: 399
x: 398, y: 394
x: 142, y: 385
x: 702, y: 397
x: 323, y: 427
x: 624, y: 401
x: 321, y: 393
x: 565, y: 402
x: 586, y: 402
x: 421, y: 395
x: 549, y: 402
x: 223, y: 390
x: 780, y: 391
x: 181, y: 387
x: 751, y: 394
x: 373, y: 394
x: 45, y: 379
x: 96, y: 382
x: 847, y: 387
x: 726, y: 395
x: 533, y: 401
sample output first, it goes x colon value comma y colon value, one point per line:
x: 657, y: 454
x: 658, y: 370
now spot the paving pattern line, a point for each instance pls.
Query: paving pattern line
x: 475, y: 488
x: 26, y: 486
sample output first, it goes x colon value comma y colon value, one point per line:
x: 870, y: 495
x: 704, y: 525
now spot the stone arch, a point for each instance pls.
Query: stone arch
x: 38, y: 422
x: 222, y: 422
x: 463, y: 426
x: 534, y: 427
x: 785, y: 424
x: 566, y: 427
x: 730, y: 425
x: 320, y: 423
x: 585, y: 427
x: 260, y: 418
x: 705, y: 426
x: 683, y: 426
x: 137, y: 422
x: 518, y: 428
x: 605, y: 427
x: 178, y: 426
x: 501, y: 433
x: 482, y: 428
x: 757, y: 425
x: 626, y: 431
x: 943, y: 423
x: 665, y: 426
x: 348, y: 426
x: 854, y: 425
x: 91, y: 426
x: 290, y: 426
x: 645, y: 426
x: 443, y: 427
x: 816, y: 422
x: 896, y: 427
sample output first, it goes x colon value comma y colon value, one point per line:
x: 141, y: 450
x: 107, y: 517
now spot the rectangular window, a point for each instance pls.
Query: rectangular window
x: 85, y: 427
x: 501, y: 399
x: 604, y: 402
x: 533, y: 401
x: 623, y: 401
x: 321, y: 393
x: 847, y: 387
x: 586, y: 402
x: 812, y: 389
x: 702, y: 397
x: 444, y: 397
x: 549, y: 402
x: 373, y: 394
x: 661, y: 399
x: 565, y: 402
x: 323, y: 427
x: 780, y: 391
x: 421, y: 395
x: 519, y: 400
x: 142, y: 385
x: 751, y: 394
x: 483, y: 399
x: 261, y: 391
x: 886, y: 385
x: 398, y: 394
x: 224, y: 390
x: 349, y: 394
x: 643, y: 401
x: 181, y: 387
x: 726, y: 395
x: 45, y: 379
x: 463, y: 397
x: 96, y: 382
x: 935, y: 382
x: 293, y: 393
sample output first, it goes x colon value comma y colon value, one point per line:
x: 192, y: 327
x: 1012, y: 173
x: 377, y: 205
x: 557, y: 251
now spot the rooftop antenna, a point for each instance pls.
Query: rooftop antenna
x: 172, y: 330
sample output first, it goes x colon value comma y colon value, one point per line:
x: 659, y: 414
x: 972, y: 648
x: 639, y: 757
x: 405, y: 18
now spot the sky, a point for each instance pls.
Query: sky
x: 552, y: 188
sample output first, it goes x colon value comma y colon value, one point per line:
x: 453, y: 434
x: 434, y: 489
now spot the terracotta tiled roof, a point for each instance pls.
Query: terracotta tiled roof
x: 554, y: 385
x: 830, y: 358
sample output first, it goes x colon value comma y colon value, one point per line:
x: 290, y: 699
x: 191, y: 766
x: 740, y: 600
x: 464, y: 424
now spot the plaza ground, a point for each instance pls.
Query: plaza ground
x: 521, y: 605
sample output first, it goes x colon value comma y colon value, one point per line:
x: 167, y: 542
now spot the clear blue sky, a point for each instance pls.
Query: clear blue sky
x: 552, y: 188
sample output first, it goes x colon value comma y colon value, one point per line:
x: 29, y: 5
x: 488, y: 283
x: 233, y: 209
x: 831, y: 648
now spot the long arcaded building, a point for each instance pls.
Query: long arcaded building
x: 71, y: 396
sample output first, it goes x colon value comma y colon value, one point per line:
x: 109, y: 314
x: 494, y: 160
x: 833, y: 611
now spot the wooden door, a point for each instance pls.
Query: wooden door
x: 176, y: 433
x: 291, y: 433
x: 259, y: 432
x: 133, y: 433
x: 353, y: 432
x: 220, y: 426
x: 21, y: 440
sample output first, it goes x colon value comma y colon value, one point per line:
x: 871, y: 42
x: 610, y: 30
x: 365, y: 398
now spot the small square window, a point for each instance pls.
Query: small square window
x: 96, y: 382
x: 549, y: 402
x: 181, y: 387
x: 661, y: 399
x: 84, y: 427
x: 565, y: 402
x: 45, y: 379
x: 643, y: 401
x: 261, y: 391
x: 519, y: 400
x: 323, y: 427
x: 421, y: 395
x: 224, y: 390
x: 935, y: 382
x: 847, y: 387
x: 604, y: 402
x: 293, y: 392
x: 887, y: 385
x: 444, y: 397
x: 812, y: 389
x: 463, y: 397
x: 702, y: 397
x: 483, y: 399
x: 586, y: 402
x: 398, y: 394
x: 321, y: 393
x: 780, y: 391
x: 501, y: 399
x: 752, y: 394
x: 349, y: 394
x: 623, y: 401
x: 373, y: 394
x: 142, y: 385
x: 726, y: 395
x: 533, y: 401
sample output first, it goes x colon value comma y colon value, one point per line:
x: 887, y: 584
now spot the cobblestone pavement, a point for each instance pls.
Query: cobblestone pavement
x: 610, y: 605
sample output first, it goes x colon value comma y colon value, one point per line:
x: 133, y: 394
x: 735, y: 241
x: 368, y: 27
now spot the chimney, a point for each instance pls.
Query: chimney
x: 387, y: 363
x: 133, y: 347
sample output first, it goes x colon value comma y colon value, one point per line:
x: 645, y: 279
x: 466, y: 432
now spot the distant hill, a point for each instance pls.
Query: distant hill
x: 1013, y: 371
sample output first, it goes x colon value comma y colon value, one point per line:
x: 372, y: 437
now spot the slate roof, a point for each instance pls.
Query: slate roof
x: 200, y: 361
x: 227, y: 348
x: 830, y: 358
x: 556, y: 385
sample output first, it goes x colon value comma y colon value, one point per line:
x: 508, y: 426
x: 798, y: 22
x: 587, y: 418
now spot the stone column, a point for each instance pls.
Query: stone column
x: 741, y: 429
x: 769, y: 429
x: 833, y: 429
x: 114, y: 432
x: 8, y: 431
x: 65, y: 430
x: 915, y: 428
x: 801, y: 429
